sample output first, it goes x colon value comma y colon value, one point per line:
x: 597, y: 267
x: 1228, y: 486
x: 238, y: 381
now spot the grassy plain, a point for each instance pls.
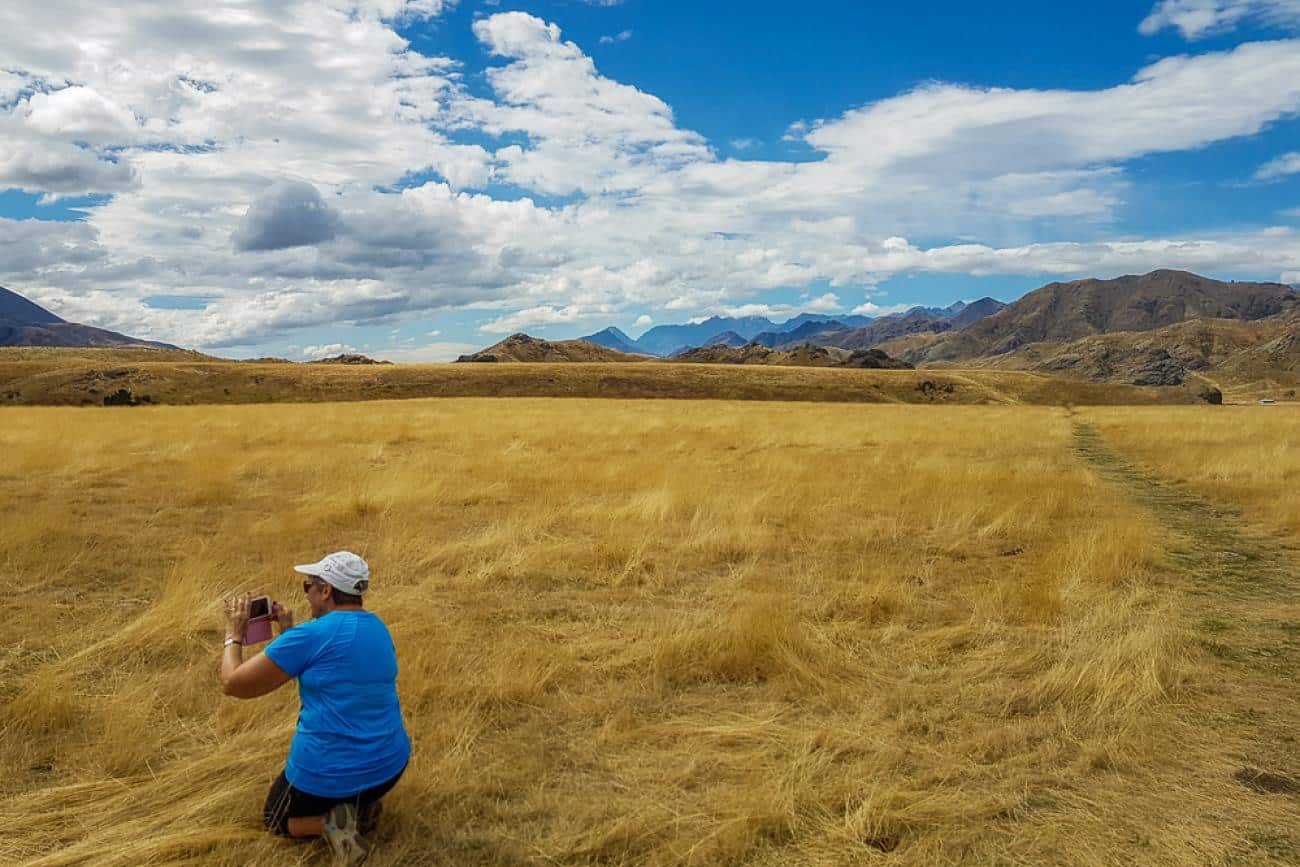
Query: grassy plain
x: 630, y: 632
x: 73, y: 377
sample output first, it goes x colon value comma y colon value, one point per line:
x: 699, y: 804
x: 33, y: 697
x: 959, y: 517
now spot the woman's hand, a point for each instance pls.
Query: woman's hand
x: 237, y: 614
x: 282, y: 616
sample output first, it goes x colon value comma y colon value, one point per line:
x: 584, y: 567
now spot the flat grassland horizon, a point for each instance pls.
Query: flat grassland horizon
x: 670, y: 632
x: 71, y: 377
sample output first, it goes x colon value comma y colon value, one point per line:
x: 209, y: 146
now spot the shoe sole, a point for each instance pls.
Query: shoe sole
x: 344, y: 836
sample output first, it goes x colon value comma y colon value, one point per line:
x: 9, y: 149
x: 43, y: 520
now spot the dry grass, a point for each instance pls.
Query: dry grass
x: 630, y: 633
x: 1247, y: 457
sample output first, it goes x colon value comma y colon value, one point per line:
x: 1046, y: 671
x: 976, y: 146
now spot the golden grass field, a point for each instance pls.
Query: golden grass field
x: 1245, y: 456
x: 655, y: 632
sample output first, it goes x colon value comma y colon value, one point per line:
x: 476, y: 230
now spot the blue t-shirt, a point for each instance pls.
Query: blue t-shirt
x: 350, y: 734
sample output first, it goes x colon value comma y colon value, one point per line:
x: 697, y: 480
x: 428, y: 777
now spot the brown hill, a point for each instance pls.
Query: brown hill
x: 1240, y: 357
x: 522, y: 347
x: 803, y: 355
x: 1068, y: 311
x: 348, y: 358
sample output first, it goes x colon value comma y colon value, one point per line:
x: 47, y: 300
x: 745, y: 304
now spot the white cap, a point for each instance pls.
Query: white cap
x: 342, y: 570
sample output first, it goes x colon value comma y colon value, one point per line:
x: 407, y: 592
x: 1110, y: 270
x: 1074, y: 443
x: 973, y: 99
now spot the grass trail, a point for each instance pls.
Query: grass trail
x: 1242, y: 590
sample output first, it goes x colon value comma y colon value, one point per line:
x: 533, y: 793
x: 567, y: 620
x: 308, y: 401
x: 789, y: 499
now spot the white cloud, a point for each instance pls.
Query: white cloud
x: 535, y: 316
x: 327, y: 350
x: 1195, y: 19
x: 827, y: 303
x: 288, y: 214
x: 743, y: 144
x: 1286, y: 164
x: 644, y: 321
x: 872, y: 309
x: 621, y: 36
x: 81, y: 114
x: 430, y: 353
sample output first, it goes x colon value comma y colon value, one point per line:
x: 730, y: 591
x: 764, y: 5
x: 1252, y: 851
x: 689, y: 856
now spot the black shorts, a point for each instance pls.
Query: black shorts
x: 284, y: 802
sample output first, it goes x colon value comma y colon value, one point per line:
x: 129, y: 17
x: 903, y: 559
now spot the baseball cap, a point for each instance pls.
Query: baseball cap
x: 342, y: 570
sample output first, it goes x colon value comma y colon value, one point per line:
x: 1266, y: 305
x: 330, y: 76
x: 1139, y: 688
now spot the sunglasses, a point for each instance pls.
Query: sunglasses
x: 307, y: 585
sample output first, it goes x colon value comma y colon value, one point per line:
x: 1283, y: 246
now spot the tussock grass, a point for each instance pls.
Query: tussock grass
x: 629, y: 633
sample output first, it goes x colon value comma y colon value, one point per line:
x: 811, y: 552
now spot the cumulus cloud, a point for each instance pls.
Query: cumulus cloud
x: 544, y: 315
x: 288, y: 214
x: 327, y: 350
x: 1195, y: 19
x: 428, y: 354
x: 589, y: 134
x: 871, y: 308
x: 57, y: 168
x: 81, y: 114
x: 827, y: 303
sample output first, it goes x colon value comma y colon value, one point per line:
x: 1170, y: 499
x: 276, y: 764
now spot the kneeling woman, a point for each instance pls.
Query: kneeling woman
x: 351, y: 746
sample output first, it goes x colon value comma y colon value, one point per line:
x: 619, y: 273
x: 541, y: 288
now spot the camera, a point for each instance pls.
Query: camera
x: 260, y: 614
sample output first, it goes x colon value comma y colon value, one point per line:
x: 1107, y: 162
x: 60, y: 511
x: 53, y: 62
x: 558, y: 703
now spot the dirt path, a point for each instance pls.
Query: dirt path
x: 1242, y: 599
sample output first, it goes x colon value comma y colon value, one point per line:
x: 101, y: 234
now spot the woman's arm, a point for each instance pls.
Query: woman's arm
x: 259, y: 675
x: 249, y: 679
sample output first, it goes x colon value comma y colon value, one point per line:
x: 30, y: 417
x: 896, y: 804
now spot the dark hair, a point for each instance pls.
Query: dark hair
x: 339, y: 597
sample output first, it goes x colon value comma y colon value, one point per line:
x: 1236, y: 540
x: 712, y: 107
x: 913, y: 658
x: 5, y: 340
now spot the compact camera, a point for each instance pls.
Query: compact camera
x: 260, y: 616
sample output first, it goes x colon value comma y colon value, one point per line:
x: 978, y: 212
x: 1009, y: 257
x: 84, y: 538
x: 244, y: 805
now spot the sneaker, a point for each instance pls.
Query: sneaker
x: 344, y: 835
x: 368, y: 816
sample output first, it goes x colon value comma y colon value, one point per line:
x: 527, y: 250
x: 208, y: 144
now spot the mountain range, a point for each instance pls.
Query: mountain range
x: 666, y: 340
x: 1163, y: 328
x: 820, y: 329
x: 24, y: 323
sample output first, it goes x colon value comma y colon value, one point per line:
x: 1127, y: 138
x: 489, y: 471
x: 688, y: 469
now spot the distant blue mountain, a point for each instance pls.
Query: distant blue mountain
x: 613, y: 338
x: 18, y: 309
x: 667, y: 339
x: 848, y: 321
x: 803, y: 332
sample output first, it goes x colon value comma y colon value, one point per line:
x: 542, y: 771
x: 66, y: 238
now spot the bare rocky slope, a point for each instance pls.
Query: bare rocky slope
x: 1062, y: 312
x: 522, y: 347
x: 805, y: 355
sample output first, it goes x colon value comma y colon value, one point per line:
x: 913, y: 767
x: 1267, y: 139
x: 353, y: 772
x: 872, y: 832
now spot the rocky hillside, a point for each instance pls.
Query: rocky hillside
x: 1062, y: 312
x: 804, y: 355
x: 1245, y: 357
x: 521, y: 347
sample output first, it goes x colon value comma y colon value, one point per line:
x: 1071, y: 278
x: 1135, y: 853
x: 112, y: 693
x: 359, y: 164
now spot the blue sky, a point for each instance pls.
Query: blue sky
x: 556, y: 167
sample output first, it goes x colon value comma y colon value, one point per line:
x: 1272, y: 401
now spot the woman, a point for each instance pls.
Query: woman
x: 351, y: 746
